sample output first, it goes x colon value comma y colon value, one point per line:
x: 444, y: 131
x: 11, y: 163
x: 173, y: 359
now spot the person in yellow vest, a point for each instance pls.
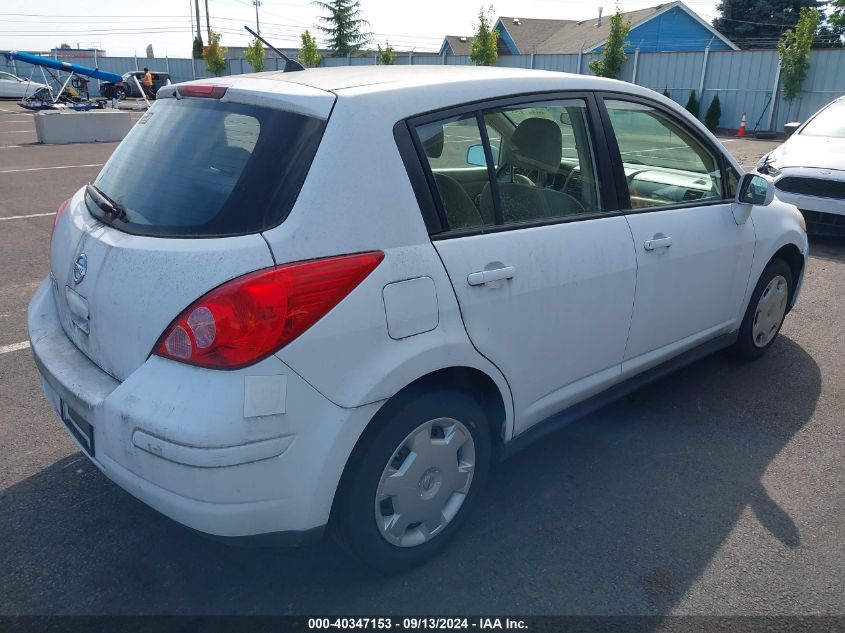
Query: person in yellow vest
x: 147, y: 84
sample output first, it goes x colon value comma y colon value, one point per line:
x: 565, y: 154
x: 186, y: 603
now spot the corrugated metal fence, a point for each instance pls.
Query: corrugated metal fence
x: 744, y: 80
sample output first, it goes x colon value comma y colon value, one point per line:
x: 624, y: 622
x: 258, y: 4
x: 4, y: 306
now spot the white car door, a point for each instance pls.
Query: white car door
x: 693, y: 260
x: 544, y: 279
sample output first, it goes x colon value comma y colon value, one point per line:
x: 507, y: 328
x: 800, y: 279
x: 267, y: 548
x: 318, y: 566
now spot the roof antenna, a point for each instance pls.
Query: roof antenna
x: 290, y: 65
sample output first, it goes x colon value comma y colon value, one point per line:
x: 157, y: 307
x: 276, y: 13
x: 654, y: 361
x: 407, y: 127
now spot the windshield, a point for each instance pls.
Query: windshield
x: 828, y: 122
x: 205, y: 168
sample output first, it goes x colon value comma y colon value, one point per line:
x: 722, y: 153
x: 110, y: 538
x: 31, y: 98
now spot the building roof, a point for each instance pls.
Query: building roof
x: 557, y: 37
x: 459, y: 44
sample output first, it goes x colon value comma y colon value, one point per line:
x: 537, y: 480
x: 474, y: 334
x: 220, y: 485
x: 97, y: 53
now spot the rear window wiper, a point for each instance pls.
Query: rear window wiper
x: 109, y: 206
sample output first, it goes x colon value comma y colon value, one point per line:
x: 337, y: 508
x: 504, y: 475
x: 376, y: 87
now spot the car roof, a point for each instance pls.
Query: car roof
x: 403, y: 91
x: 363, y: 79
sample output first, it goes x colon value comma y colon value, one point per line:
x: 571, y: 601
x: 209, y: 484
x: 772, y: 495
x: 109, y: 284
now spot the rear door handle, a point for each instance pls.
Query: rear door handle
x: 659, y: 242
x: 485, y: 276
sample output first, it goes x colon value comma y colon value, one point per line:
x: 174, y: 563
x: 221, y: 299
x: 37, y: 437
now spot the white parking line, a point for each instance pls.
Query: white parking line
x: 14, y: 171
x: 22, y: 217
x: 9, y: 146
x: 14, y: 347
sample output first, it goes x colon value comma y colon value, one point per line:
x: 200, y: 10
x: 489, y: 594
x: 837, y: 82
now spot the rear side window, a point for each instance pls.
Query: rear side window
x: 542, y: 157
x: 206, y: 168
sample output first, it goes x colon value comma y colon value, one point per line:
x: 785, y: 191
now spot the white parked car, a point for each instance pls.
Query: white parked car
x: 338, y: 296
x: 14, y: 87
x: 809, y: 169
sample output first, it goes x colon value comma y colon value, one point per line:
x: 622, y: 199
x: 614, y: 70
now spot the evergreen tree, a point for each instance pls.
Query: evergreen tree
x: 485, y: 44
x: 198, y: 47
x: 308, y: 55
x: 693, y: 107
x: 666, y: 93
x: 759, y: 23
x: 714, y: 113
x: 832, y: 32
x: 343, y: 26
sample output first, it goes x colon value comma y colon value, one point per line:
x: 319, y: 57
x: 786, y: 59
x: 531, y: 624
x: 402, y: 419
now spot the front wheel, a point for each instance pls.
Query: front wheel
x: 410, y: 487
x: 120, y: 93
x: 766, y: 310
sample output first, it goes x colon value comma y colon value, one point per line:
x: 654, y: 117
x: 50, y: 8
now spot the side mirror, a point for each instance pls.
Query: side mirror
x: 475, y: 156
x: 790, y: 128
x: 754, y: 190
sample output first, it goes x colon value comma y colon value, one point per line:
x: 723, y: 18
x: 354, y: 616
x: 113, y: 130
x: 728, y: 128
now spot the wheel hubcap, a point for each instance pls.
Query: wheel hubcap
x: 425, y: 482
x: 771, y: 309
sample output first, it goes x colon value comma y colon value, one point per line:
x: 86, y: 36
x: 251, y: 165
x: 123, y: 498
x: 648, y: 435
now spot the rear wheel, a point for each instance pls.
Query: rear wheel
x: 409, y: 489
x: 120, y: 93
x: 766, y: 310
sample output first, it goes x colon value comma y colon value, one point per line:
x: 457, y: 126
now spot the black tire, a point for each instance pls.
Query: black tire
x: 353, y: 519
x: 745, y: 347
x: 120, y: 93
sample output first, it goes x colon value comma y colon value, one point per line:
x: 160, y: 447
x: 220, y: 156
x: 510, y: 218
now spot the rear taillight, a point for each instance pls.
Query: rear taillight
x: 59, y: 211
x: 249, y: 318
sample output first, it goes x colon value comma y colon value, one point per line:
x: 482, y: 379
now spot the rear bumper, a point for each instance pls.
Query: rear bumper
x: 187, y: 441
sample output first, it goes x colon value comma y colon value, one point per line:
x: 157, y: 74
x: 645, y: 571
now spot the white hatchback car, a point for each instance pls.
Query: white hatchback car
x: 336, y: 297
x: 809, y: 169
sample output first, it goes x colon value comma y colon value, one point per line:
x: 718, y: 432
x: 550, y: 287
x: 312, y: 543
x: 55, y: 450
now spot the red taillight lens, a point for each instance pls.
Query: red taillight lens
x: 249, y: 318
x: 59, y: 211
x: 208, y: 91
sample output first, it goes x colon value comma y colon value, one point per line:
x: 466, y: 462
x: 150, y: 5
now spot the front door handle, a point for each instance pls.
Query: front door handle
x: 657, y: 242
x: 486, y: 276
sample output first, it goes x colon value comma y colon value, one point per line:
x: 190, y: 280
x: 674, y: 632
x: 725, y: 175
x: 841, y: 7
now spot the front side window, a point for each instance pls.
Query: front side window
x: 664, y: 164
x: 542, y: 157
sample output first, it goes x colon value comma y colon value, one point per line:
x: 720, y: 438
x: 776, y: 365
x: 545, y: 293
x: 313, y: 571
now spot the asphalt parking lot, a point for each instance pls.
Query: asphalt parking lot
x: 718, y: 490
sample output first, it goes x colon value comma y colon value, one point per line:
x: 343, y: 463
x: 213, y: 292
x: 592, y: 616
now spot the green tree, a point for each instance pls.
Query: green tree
x: 714, y: 114
x: 308, y: 55
x: 64, y: 45
x: 832, y: 32
x: 215, y: 55
x: 485, y: 44
x: 693, y: 107
x: 344, y: 28
x: 759, y: 23
x: 386, y: 56
x: 255, y: 55
x: 613, y: 55
x: 794, y: 52
x: 198, y: 47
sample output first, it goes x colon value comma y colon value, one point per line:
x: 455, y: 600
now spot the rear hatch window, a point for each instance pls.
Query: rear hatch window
x: 195, y: 167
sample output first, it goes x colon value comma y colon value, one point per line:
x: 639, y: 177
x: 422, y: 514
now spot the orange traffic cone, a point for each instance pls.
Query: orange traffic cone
x: 741, y: 130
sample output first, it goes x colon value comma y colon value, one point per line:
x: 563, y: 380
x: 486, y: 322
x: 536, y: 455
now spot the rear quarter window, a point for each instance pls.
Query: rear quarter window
x: 207, y: 168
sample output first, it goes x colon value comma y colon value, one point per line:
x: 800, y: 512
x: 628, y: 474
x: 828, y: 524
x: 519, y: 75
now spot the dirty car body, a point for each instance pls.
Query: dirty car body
x: 335, y: 296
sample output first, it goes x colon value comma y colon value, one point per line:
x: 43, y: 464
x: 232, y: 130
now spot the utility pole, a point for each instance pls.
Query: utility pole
x: 257, y: 4
x: 199, y: 28
x: 208, y: 21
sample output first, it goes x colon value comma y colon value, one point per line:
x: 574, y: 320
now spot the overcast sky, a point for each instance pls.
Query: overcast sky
x: 127, y: 26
